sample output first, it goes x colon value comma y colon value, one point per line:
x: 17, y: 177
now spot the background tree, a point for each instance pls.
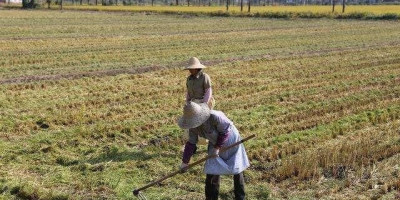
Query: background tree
x: 344, y: 5
x: 28, y: 4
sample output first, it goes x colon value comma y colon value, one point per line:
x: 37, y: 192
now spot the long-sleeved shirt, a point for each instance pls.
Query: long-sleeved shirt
x: 216, y: 129
x: 199, y: 87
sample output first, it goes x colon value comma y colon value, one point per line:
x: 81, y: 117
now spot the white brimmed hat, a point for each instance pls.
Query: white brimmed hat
x: 194, y: 115
x: 194, y: 63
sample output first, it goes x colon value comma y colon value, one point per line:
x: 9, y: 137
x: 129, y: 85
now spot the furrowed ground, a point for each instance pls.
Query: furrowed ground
x: 89, y: 102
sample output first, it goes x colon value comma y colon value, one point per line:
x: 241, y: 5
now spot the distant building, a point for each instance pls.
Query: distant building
x: 15, y: 1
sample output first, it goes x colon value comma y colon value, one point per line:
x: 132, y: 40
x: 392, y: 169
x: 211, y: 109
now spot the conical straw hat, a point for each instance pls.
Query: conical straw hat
x: 194, y: 63
x: 194, y: 115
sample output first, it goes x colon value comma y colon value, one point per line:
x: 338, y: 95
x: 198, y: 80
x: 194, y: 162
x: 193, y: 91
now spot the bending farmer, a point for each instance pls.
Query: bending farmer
x: 220, y: 132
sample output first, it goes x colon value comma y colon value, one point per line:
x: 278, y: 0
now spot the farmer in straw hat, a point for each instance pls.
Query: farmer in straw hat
x: 220, y: 132
x: 198, y: 83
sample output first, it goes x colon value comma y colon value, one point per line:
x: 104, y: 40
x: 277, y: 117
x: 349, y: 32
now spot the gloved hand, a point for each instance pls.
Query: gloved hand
x: 183, y: 167
x: 215, y: 151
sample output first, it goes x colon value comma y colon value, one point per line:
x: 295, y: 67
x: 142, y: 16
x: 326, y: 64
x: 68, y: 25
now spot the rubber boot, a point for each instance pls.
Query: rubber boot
x: 238, y: 181
x: 212, y: 187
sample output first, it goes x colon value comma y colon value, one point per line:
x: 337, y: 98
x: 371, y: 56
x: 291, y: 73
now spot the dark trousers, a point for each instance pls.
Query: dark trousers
x: 212, y: 186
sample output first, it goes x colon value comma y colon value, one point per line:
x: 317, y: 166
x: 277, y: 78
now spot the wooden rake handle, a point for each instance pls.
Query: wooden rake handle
x: 136, y: 192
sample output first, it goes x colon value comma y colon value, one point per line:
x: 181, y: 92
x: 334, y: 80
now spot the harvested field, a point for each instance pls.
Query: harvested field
x: 89, y: 102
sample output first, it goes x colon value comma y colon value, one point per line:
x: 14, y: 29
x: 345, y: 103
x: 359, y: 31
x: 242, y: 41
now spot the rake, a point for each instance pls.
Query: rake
x: 141, y: 196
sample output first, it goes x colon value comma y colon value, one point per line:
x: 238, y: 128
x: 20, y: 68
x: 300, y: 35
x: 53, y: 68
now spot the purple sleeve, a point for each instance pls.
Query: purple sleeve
x: 207, y: 95
x: 222, y: 137
x: 223, y: 127
x: 188, y: 152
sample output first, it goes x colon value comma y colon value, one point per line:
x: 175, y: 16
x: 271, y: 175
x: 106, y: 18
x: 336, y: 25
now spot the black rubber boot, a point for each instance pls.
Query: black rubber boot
x: 212, y: 187
x: 238, y: 181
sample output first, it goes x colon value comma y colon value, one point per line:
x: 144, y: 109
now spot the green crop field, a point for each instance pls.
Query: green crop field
x: 89, y: 103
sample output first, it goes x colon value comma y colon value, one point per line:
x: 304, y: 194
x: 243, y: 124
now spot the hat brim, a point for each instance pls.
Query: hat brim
x: 195, y: 121
x: 198, y: 66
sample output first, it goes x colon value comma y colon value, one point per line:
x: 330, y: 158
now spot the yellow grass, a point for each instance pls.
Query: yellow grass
x: 376, y: 9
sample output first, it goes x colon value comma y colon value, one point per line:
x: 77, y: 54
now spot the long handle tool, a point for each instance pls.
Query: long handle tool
x: 137, y: 191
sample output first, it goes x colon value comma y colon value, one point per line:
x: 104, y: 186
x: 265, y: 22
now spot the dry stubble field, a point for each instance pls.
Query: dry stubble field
x: 89, y: 100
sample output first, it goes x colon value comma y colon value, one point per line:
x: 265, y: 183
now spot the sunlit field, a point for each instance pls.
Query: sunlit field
x: 376, y: 9
x: 89, y: 103
x: 351, y: 12
x: 370, y: 12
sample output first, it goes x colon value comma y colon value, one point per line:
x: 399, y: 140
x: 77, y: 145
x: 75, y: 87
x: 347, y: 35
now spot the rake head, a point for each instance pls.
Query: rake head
x: 139, y: 195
